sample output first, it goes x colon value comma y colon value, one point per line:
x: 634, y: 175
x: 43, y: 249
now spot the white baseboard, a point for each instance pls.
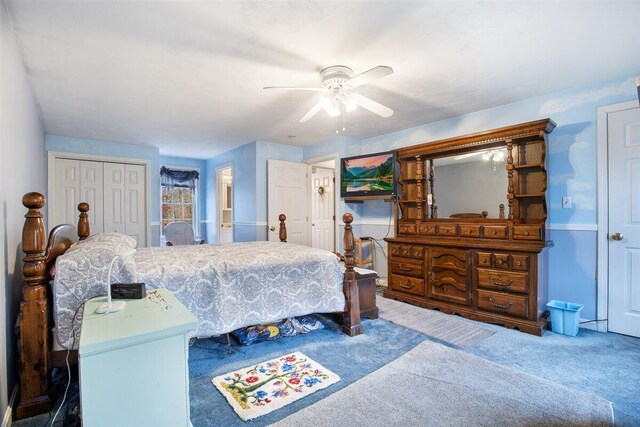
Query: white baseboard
x: 7, y: 419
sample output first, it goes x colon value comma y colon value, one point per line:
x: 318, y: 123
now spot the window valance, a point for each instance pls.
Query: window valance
x: 178, y: 178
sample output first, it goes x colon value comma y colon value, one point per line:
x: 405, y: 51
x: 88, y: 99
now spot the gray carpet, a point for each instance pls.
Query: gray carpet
x: 443, y: 327
x: 433, y: 385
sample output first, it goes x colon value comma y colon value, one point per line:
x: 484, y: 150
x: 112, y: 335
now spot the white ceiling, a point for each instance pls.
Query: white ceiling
x: 187, y: 77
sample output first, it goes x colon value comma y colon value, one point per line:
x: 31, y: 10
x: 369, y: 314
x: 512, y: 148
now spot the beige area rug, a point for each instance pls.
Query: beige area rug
x: 443, y: 327
x: 260, y: 389
x: 434, y: 385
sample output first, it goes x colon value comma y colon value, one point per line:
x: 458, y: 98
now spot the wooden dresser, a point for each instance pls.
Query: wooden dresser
x: 470, y: 227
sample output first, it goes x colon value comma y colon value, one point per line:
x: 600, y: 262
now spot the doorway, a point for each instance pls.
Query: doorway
x: 619, y: 217
x: 224, y: 178
x: 323, y: 203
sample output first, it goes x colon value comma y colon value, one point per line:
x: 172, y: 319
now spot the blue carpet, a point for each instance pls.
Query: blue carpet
x: 350, y: 358
x: 604, y: 364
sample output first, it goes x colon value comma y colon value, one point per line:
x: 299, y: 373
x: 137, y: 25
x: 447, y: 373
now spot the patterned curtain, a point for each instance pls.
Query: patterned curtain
x: 178, y: 178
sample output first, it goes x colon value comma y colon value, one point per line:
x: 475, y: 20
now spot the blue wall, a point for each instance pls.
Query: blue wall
x: 115, y: 149
x: 200, y: 165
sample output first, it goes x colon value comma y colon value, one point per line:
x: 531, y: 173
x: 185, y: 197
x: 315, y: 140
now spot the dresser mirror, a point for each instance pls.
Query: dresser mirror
x: 470, y: 185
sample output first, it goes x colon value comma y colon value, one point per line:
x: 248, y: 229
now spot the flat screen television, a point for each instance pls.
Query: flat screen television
x: 368, y: 175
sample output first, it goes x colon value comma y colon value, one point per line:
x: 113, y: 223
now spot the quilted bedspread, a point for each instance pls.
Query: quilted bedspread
x: 226, y: 286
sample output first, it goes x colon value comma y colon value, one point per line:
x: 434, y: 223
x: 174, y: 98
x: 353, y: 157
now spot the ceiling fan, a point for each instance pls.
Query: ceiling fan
x: 337, y: 83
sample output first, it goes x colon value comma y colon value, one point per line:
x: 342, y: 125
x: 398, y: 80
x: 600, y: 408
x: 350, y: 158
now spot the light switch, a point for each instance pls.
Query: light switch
x: 566, y: 202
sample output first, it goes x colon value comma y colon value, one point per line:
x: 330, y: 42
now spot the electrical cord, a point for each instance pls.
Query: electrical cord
x: 595, y: 320
x: 73, y: 343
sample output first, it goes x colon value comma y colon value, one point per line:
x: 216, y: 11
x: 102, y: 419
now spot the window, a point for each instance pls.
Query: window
x: 179, y: 197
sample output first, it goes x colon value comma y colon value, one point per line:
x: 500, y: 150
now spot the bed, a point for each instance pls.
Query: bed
x: 225, y: 286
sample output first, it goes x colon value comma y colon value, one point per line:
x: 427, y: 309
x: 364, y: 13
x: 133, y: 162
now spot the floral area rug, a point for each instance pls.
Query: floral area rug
x: 260, y: 389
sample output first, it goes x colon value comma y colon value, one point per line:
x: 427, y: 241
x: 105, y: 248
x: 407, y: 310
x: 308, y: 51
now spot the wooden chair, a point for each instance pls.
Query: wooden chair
x: 180, y: 233
x: 360, y: 262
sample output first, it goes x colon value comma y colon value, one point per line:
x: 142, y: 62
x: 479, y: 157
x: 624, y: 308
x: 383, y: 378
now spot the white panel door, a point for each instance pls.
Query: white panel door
x: 322, y: 209
x: 92, y: 192
x: 135, y: 194
x: 624, y: 218
x: 114, y: 198
x: 288, y: 193
x: 66, y: 192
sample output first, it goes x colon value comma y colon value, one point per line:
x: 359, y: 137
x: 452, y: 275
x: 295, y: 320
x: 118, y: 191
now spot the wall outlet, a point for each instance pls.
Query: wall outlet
x: 566, y: 202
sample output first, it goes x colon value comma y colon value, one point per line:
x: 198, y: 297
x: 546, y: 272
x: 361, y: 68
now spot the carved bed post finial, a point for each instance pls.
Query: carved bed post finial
x: 351, y: 320
x: 34, y: 328
x: 501, y: 206
x: 283, y: 228
x: 83, y: 221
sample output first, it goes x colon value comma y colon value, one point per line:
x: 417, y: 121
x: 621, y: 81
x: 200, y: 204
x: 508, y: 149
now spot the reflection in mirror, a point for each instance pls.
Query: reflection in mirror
x: 471, y: 183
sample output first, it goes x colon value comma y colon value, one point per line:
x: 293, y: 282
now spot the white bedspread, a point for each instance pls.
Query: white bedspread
x: 226, y: 286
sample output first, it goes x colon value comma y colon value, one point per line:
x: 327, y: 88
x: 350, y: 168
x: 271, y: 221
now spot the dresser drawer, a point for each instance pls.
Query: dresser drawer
x: 495, y: 231
x: 410, y: 285
x: 512, y: 304
x: 510, y: 281
x: 409, y: 267
x: 469, y: 231
x: 520, y: 262
x: 484, y: 259
x: 447, y: 230
x: 527, y: 232
x: 427, y: 229
x: 406, y: 228
x: 501, y: 260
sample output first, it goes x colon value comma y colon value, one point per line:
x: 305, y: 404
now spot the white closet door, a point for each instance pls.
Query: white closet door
x: 135, y: 214
x: 66, y: 192
x: 114, y: 197
x: 91, y: 191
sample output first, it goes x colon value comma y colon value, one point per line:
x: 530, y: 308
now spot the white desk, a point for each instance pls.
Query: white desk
x: 134, y: 363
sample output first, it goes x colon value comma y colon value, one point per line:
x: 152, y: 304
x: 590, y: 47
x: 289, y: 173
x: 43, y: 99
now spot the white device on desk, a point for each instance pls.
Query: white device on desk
x: 109, y: 307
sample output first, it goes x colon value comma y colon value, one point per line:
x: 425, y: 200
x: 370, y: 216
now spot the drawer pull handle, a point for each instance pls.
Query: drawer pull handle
x: 405, y: 268
x: 484, y: 260
x: 409, y: 285
x: 500, y: 262
x: 503, y: 307
x: 504, y: 285
x: 469, y: 231
x: 526, y: 233
x: 495, y: 232
x: 519, y: 263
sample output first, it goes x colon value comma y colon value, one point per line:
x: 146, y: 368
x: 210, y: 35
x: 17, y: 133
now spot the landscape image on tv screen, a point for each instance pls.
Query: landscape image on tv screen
x: 369, y: 174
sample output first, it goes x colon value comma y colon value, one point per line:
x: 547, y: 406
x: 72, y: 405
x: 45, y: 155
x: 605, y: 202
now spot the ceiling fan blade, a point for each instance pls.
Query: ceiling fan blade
x: 314, y: 110
x: 372, y: 105
x: 315, y: 89
x: 369, y: 76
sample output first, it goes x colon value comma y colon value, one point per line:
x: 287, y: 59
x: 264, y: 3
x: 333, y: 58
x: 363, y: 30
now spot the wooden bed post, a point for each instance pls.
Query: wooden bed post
x: 351, y: 320
x: 83, y: 221
x: 34, y: 327
x: 283, y: 228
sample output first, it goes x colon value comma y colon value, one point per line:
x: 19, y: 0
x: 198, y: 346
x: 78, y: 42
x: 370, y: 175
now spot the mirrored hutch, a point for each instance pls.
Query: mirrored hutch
x: 470, y: 233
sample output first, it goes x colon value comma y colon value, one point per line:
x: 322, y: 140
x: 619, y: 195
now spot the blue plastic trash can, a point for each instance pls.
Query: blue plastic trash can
x: 565, y: 317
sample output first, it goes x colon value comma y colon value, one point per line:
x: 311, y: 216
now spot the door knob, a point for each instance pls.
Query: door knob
x: 272, y: 228
x: 617, y: 236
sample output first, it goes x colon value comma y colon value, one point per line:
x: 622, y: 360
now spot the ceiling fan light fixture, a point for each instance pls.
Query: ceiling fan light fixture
x: 349, y: 103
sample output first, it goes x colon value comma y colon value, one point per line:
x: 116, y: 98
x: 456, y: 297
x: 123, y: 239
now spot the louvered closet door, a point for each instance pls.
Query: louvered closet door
x: 114, y: 198
x: 135, y: 214
x: 66, y: 192
x: 92, y: 192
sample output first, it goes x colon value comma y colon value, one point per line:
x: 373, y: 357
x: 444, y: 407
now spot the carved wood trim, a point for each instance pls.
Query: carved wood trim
x: 351, y: 319
x: 283, y: 228
x: 510, y: 190
x: 487, y: 138
x: 34, y: 319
